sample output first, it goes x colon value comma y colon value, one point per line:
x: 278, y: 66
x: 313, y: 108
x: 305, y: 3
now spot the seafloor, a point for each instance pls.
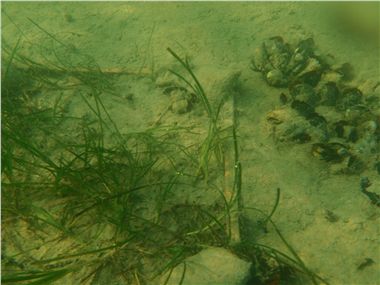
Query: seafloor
x: 324, y: 215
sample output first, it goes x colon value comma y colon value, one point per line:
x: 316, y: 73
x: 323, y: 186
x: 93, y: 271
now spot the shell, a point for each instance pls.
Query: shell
x: 312, y: 64
x: 276, y: 45
x: 342, y: 129
x: 304, y: 93
x: 358, y: 114
x: 294, y: 133
x: 331, y: 76
x: 298, y: 131
x: 306, y: 47
x: 317, y: 120
x: 347, y: 71
x: 311, y: 77
x: 181, y: 101
x: 276, y: 78
x: 302, y: 108
x: 283, y: 98
x: 288, y: 126
x: 377, y: 167
x: 329, y: 93
x: 350, y: 97
x: 330, y: 152
x: 278, y: 53
x: 280, y: 61
x: 355, y: 165
x: 351, y: 164
x: 297, y: 63
x: 259, y: 60
x: 300, y: 59
x: 368, y: 128
x: 279, y: 116
x: 330, y: 114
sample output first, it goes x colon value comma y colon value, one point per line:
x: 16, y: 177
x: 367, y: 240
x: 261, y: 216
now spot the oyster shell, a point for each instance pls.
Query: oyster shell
x: 329, y: 93
x: 350, y: 97
x: 281, y: 115
x: 330, y: 152
x: 276, y: 78
x: 288, y: 126
x: 304, y: 93
x: 259, y: 60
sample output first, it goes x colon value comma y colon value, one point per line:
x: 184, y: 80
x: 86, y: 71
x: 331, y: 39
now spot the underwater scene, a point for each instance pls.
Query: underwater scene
x: 193, y: 143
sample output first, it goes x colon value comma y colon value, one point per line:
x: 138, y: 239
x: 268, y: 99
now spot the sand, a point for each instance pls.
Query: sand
x: 220, y: 37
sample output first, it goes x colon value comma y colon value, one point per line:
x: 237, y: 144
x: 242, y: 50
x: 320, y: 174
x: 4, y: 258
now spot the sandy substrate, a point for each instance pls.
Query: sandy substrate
x: 220, y: 37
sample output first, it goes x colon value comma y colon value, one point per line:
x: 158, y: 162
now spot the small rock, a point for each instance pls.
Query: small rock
x: 180, y: 101
x: 128, y: 96
x: 69, y: 18
x: 167, y: 79
x: 280, y: 115
x: 180, y: 106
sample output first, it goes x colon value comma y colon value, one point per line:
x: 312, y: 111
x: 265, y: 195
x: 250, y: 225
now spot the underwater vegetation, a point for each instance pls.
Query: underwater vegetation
x: 85, y: 203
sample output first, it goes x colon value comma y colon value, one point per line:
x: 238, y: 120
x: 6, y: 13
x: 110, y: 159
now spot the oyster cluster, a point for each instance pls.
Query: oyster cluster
x: 282, y: 64
x: 320, y: 106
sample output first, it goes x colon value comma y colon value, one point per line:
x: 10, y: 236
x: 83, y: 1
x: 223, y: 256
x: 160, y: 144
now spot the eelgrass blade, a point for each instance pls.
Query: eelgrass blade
x: 183, y: 274
x: 88, y: 252
x: 274, y: 207
x: 44, y: 216
x: 177, y: 259
x: 11, y: 57
x: 198, y: 87
x: 46, y: 32
x: 299, y: 262
x: 36, y: 278
x: 21, y: 141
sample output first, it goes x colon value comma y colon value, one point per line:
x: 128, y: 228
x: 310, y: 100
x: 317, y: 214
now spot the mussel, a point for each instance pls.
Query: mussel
x: 329, y: 94
x: 304, y: 109
x: 350, y: 98
x: 304, y: 93
x: 330, y: 152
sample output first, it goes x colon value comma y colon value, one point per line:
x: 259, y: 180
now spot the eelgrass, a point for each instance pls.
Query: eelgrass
x: 89, y: 201
x: 102, y: 186
x: 213, y: 141
x: 37, y: 277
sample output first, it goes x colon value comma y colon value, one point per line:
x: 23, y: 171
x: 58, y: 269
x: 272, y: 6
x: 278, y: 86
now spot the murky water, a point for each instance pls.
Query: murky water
x: 122, y: 158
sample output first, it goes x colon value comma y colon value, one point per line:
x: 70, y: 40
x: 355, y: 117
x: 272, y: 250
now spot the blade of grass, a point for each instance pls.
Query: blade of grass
x: 12, y: 55
x: 198, y: 87
x: 289, y: 247
x: 44, y: 277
